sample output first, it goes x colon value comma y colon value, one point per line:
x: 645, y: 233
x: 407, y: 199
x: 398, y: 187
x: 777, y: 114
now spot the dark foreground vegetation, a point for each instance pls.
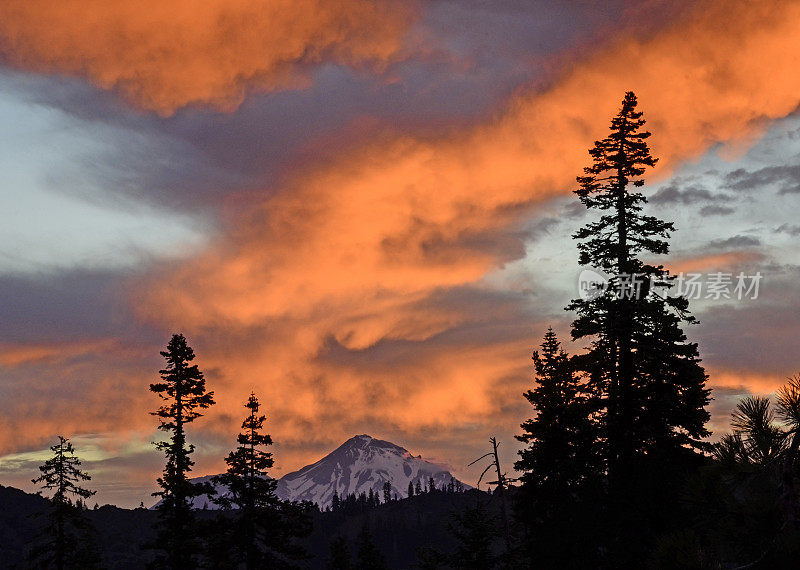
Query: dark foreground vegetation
x: 399, y: 532
x: 618, y: 469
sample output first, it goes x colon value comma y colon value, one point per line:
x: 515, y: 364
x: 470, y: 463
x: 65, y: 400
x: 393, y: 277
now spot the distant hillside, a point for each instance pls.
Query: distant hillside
x: 399, y: 528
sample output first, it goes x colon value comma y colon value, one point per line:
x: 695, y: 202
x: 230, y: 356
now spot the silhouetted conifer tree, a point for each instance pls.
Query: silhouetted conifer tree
x: 410, y: 489
x: 339, y: 557
x: 647, y: 380
x: 263, y: 530
x: 183, y: 389
x: 640, y: 363
x: 68, y: 538
x: 387, y: 491
x: 418, y: 488
x: 475, y: 531
x: 561, y: 460
x: 368, y: 556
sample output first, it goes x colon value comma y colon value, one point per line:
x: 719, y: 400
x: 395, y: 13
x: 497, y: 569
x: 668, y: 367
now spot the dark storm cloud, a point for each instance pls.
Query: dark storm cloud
x: 686, y: 193
x: 735, y: 242
x: 716, y: 211
x: 787, y: 177
x: 69, y: 305
x: 789, y: 229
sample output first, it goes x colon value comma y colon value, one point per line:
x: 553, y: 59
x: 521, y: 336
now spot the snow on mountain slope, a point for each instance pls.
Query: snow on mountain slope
x: 358, y: 465
x: 361, y: 463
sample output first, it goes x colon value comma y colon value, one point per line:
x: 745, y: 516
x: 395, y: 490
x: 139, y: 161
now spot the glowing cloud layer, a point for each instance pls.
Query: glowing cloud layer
x: 166, y: 55
x: 342, y: 260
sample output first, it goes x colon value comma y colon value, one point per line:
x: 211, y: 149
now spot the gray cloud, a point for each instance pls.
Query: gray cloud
x: 463, y: 58
x: 787, y: 177
x: 690, y: 193
x: 714, y: 210
x: 755, y: 335
x: 64, y: 305
x: 735, y: 242
x: 789, y: 229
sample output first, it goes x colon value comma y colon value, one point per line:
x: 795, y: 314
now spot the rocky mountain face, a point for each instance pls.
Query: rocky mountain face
x: 361, y: 463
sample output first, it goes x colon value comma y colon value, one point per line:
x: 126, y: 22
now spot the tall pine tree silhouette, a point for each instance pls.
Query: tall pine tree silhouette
x: 264, y: 528
x: 339, y: 556
x: 68, y: 539
x: 560, y: 437
x: 646, y: 377
x: 640, y: 361
x: 368, y: 557
x: 475, y: 531
x: 183, y: 389
x: 561, y: 463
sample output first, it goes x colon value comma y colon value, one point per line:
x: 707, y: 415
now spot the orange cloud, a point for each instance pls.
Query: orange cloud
x: 12, y: 355
x: 345, y: 256
x: 728, y: 260
x: 166, y: 55
x: 757, y: 382
x: 89, y: 386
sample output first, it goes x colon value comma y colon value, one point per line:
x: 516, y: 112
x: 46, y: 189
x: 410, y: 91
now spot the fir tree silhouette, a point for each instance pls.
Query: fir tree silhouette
x: 647, y: 379
x: 475, y: 531
x: 561, y: 464
x: 183, y: 389
x: 263, y: 529
x: 368, y: 556
x: 68, y: 538
x: 339, y: 556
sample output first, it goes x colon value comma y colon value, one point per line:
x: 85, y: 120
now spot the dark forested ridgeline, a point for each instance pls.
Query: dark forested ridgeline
x: 401, y: 530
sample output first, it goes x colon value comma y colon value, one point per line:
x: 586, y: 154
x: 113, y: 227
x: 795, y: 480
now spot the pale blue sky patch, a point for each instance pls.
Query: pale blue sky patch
x: 51, y: 220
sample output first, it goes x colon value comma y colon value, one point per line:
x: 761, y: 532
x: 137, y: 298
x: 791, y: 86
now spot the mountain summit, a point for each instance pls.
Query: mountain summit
x: 361, y: 463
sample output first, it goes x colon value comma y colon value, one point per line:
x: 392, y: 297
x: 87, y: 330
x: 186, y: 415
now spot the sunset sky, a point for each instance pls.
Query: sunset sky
x: 362, y: 210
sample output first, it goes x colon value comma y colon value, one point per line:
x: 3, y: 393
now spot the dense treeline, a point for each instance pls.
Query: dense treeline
x: 359, y: 503
x: 617, y: 470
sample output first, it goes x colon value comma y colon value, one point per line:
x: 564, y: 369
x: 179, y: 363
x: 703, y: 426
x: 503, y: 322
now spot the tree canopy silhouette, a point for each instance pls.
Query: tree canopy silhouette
x: 183, y: 390
x: 561, y: 463
x: 68, y: 539
x: 262, y: 530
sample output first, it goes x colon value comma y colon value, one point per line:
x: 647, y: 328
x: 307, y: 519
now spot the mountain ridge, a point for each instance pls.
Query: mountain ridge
x: 360, y: 464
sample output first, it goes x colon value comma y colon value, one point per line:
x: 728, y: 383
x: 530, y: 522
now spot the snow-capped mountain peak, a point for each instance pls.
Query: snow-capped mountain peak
x: 361, y: 463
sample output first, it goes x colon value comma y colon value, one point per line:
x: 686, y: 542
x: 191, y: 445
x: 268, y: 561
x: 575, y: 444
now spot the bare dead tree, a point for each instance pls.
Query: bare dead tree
x: 500, y: 490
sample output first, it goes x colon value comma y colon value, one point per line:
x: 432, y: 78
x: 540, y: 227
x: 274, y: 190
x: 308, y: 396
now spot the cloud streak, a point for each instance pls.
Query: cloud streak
x: 167, y: 55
